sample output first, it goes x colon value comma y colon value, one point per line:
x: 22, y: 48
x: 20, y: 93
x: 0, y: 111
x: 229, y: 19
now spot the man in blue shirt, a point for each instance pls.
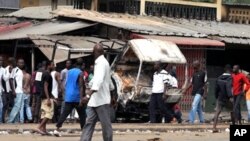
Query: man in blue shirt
x: 74, y: 91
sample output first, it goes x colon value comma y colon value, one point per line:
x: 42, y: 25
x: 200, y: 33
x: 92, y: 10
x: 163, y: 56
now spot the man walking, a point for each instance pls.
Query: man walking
x: 99, y: 98
x: 223, y: 93
x: 47, y: 106
x: 161, y: 80
x: 16, y: 83
x: 239, y: 79
x: 74, y: 92
x: 56, y: 92
x: 198, y: 83
x: 36, y: 102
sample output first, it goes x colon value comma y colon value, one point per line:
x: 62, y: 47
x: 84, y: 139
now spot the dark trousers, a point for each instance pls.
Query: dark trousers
x: 8, y: 101
x: 156, y: 102
x: 236, y: 108
x: 57, y: 112
x: 69, y: 106
x: 103, y: 114
x: 36, y: 106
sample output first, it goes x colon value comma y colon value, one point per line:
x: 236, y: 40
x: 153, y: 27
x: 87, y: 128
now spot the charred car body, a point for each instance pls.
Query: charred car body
x: 132, y: 73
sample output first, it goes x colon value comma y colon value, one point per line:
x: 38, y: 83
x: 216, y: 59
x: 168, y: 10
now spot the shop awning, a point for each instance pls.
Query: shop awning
x: 77, y: 46
x: 185, y: 41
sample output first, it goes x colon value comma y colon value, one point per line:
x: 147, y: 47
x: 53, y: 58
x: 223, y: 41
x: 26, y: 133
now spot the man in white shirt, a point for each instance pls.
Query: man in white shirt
x: 7, y: 96
x: 161, y: 80
x: 99, y: 98
x: 16, y: 83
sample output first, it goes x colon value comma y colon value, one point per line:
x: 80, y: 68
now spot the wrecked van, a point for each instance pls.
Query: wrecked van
x: 132, y: 73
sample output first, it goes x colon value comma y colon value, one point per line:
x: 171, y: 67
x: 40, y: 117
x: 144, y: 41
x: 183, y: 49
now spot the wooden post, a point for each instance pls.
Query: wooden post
x: 218, y: 10
x: 94, y: 5
x: 32, y: 59
x: 142, y: 7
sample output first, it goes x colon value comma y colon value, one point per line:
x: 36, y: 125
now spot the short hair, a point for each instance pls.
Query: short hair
x: 44, y: 63
x: 228, y: 67
x: 79, y: 62
x: 49, y: 63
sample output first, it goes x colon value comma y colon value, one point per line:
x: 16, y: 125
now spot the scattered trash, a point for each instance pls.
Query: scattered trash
x: 155, y: 139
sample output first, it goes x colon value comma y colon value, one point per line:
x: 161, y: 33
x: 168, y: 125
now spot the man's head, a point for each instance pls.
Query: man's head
x: 91, y: 69
x: 79, y: 63
x: 20, y: 64
x: 236, y: 69
x: 83, y: 66
x: 228, y: 68
x: 44, y: 65
x: 1, y: 61
x: 50, y: 65
x: 196, y: 65
x: 98, y: 50
x: 157, y: 66
x: 68, y: 64
x: 12, y: 62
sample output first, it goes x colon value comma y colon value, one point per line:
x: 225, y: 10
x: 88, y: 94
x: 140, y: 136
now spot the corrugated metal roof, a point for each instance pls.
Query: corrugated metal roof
x: 46, y: 28
x: 162, y: 26
x: 9, y: 4
x: 85, y: 44
x: 151, y: 50
x: 8, y: 28
x: 41, y: 12
x: 185, y: 40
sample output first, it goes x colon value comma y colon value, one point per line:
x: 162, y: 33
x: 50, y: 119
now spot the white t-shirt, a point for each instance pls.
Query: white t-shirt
x: 159, y: 80
x: 54, y: 84
x: 174, y: 82
x: 17, y: 76
x: 6, y: 78
x: 101, y: 83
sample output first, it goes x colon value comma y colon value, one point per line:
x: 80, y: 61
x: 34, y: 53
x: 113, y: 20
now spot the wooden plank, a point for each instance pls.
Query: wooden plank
x: 29, y: 3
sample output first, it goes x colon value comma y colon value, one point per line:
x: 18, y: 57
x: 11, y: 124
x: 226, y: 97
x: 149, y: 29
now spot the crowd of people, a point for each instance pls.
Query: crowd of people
x: 230, y: 88
x: 47, y: 95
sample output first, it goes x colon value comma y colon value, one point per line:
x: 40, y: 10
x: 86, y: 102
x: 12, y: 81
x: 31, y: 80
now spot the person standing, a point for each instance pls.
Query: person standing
x: 64, y: 74
x: 161, y: 81
x: 26, y: 97
x: 16, y: 83
x: 47, y: 105
x: 239, y: 79
x: 248, y: 100
x: 99, y: 98
x: 198, y: 84
x: 36, y: 101
x: 1, y: 89
x: 7, y: 97
x: 56, y: 90
x: 223, y: 93
x: 74, y: 91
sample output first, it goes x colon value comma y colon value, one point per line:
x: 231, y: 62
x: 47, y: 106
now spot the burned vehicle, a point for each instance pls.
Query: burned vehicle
x: 132, y: 73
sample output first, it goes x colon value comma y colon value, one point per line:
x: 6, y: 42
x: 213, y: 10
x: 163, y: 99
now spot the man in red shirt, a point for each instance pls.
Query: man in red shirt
x: 239, y: 79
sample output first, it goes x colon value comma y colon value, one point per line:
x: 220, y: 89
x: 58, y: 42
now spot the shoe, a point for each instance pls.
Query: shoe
x: 57, y: 134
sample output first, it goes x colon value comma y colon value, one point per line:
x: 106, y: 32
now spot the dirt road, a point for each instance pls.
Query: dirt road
x: 186, y: 136
x: 122, y: 132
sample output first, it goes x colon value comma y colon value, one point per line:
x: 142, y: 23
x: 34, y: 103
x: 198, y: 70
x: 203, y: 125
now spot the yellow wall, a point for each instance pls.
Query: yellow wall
x: 29, y: 3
